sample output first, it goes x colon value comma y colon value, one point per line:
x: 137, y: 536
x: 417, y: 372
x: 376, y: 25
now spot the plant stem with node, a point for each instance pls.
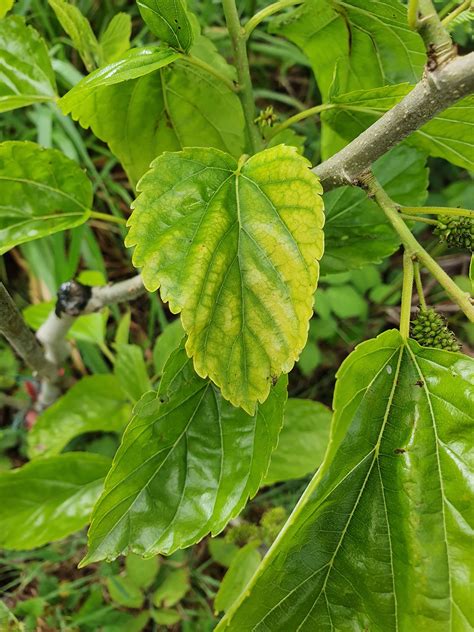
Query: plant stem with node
x: 414, y: 249
x: 407, y: 290
x: 238, y: 40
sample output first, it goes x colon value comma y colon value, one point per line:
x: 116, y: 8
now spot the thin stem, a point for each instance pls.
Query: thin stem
x: 457, y: 11
x: 443, y: 11
x: 267, y: 12
x: 238, y: 39
x: 199, y: 63
x: 407, y: 290
x: 414, y: 249
x: 416, y: 218
x: 437, y: 210
x: 412, y: 12
x: 437, y: 40
x: 106, y: 217
x: 419, y: 285
x: 300, y: 116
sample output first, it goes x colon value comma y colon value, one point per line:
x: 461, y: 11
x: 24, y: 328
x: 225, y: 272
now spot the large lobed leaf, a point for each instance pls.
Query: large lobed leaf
x: 449, y: 135
x: 26, y: 74
x: 41, y: 192
x: 382, y: 538
x: 234, y: 247
x: 356, y: 231
x: 184, y: 109
x: 49, y: 499
x: 187, y: 464
x: 95, y: 403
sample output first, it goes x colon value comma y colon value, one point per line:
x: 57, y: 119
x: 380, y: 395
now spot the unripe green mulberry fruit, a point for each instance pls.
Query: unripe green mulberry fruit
x: 457, y: 232
x: 430, y: 330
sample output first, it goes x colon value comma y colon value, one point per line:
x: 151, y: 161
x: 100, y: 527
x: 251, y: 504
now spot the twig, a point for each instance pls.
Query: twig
x: 438, y: 43
x: 15, y: 330
x: 436, y: 91
x: 52, y: 334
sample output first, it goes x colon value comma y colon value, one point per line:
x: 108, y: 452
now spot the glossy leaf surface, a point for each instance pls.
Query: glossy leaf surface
x: 184, y: 114
x: 78, y: 28
x: 382, y: 539
x: 41, y: 192
x: 235, y: 249
x: 188, y: 463
x: 356, y: 230
x: 302, y: 442
x: 26, y: 75
x: 48, y: 499
x: 169, y: 21
x: 135, y: 63
x: 95, y: 403
x: 449, y: 135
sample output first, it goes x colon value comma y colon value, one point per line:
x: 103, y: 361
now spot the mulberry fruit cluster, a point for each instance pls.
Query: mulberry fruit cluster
x: 429, y: 330
x: 457, y: 232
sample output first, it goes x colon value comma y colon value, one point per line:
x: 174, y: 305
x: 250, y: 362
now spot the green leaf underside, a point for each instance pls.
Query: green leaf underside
x: 235, y: 250
x: 383, y: 540
x: 302, y: 442
x: 26, y: 74
x: 356, y: 231
x: 48, y: 499
x: 169, y: 21
x: 450, y: 135
x: 340, y: 37
x: 41, y: 192
x: 95, y: 403
x: 187, y: 465
x: 184, y: 115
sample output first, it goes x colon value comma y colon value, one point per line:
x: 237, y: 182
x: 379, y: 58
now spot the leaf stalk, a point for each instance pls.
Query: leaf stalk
x: 407, y: 291
x: 266, y: 12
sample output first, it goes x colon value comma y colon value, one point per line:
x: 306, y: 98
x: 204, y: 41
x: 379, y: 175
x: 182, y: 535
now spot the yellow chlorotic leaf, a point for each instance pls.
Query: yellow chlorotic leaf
x: 235, y: 248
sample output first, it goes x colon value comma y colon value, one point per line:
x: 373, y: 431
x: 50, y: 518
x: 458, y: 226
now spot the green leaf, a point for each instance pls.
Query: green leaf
x: 221, y: 551
x: 356, y: 231
x: 449, y: 135
x: 41, y: 192
x: 26, y: 74
x: 141, y: 572
x: 95, y: 403
x: 48, y: 499
x: 125, y: 592
x: 240, y: 572
x: 354, y: 45
x: 184, y: 114
x: 131, y: 372
x: 188, y: 463
x: 173, y: 588
x: 135, y: 63
x: 115, y: 40
x: 5, y: 6
x: 235, y: 249
x: 302, y: 441
x: 78, y: 28
x: 341, y: 36
x: 169, y: 21
x: 166, y: 617
x: 381, y: 539
x: 165, y: 344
